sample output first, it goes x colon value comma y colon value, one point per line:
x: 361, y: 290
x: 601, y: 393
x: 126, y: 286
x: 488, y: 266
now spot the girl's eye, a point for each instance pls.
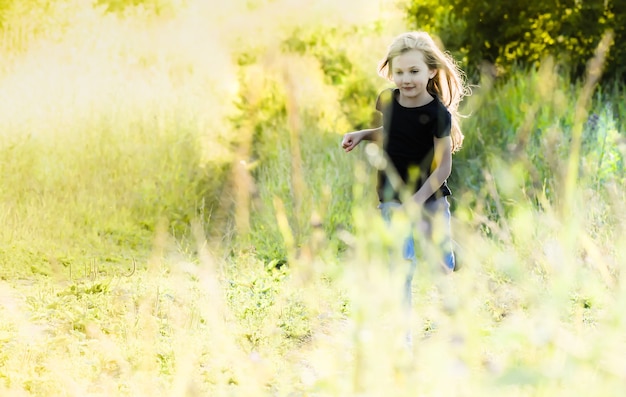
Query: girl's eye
x: 414, y: 71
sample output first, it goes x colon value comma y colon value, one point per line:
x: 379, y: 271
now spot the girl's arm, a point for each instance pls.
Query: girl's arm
x: 352, y: 139
x: 443, y: 167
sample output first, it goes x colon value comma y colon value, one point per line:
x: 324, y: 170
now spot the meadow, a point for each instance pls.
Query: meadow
x: 178, y: 218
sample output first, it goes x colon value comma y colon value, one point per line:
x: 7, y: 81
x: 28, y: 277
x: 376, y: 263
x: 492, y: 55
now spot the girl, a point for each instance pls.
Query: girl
x: 420, y: 132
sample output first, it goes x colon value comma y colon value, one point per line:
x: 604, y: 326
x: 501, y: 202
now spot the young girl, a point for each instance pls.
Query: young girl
x: 420, y: 132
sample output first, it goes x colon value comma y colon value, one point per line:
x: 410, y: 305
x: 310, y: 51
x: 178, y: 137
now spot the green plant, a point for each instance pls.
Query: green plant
x: 524, y: 33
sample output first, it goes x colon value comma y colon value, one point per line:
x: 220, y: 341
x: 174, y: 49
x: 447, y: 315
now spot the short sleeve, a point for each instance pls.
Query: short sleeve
x: 444, y: 124
x: 384, y: 100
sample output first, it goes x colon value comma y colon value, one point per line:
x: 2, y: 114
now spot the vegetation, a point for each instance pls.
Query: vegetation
x: 179, y: 219
x: 524, y: 33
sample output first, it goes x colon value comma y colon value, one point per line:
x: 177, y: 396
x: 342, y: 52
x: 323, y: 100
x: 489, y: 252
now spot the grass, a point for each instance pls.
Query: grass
x: 176, y: 222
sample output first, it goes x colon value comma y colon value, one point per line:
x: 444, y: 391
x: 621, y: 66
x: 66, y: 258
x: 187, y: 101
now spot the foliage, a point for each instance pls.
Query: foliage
x: 520, y: 134
x: 524, y: 32
x: 332, y: 47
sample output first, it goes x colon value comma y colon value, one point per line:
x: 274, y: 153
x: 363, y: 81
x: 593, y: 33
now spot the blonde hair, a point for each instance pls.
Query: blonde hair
x: 449, y: 84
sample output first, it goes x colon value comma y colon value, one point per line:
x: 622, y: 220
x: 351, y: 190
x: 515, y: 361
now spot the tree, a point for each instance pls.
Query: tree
x: 524, y: 32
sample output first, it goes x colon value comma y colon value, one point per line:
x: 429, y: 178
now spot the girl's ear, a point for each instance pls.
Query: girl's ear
x: 433, y: 73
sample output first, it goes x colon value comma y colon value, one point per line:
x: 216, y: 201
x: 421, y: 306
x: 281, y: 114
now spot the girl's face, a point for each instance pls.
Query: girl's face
x: 411, y: 74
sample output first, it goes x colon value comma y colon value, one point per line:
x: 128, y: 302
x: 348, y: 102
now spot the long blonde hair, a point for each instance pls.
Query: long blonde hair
x: 449, y: 84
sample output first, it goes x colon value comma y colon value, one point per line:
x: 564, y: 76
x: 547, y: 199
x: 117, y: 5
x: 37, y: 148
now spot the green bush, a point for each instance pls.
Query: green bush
x: 524, y: 32
x: 331, y: 46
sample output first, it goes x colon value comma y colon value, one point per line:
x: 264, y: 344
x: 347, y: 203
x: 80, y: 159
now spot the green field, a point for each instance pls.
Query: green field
x: 177, y: 217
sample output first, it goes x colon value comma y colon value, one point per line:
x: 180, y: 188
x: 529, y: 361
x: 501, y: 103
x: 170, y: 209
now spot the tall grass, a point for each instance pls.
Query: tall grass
x: 179, y: 219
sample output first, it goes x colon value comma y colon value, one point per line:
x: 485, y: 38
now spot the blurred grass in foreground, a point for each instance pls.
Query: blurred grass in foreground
x: 157, y: 241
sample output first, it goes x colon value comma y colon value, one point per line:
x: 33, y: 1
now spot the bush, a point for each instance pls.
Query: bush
x: 524, y: 32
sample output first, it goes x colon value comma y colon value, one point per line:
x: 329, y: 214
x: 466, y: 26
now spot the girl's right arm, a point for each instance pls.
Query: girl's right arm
x: 352, y: 139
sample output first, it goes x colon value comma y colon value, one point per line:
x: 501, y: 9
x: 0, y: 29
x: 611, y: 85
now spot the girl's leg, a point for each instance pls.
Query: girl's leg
x: 408, y: 253
x: 440, y: 233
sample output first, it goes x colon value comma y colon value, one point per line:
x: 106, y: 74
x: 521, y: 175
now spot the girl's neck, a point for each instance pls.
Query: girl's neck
x: 418, y: 101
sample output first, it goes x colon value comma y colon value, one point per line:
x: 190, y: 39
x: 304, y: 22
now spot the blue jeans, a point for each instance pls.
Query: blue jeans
x: 433, y: 229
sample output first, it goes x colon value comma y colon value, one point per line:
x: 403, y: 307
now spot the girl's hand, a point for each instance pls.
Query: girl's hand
x: 351, y: 140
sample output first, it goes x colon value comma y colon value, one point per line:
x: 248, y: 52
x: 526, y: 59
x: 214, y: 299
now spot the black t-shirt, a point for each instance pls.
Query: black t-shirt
x: 409, y: 142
